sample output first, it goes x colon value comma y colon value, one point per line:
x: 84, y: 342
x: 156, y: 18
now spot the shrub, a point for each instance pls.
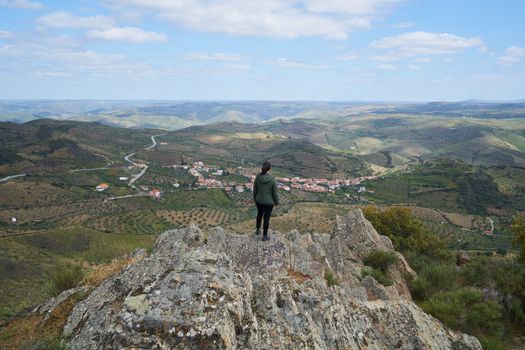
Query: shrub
x: 330, y: 278
x: 406, y: 232
x: 64, y: 276
x: 433, y: 278
x: 380, y: 260
x: 378, y: 275
x: 465, y: 309
x: 518, y: 229
x: 491, y: 343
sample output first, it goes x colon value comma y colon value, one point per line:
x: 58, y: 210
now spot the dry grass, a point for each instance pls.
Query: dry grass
x: 32, y: 328
x: 20, y: 331
x: 101, y: 272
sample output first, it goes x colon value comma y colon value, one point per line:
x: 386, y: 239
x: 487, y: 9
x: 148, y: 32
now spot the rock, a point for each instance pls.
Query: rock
x: 462, y: 259
x: 49, y: 306
x: 236, y: 292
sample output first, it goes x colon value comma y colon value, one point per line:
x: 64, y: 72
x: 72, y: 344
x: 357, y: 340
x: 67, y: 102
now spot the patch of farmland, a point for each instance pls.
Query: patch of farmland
x: 204, y: 217
x: 427, y: 214
x: 471, y: 222
x: 57, y: 212
x: 134, y: 222
x: 18, y: 194
x: 378, y: 159
x: 509, y: 179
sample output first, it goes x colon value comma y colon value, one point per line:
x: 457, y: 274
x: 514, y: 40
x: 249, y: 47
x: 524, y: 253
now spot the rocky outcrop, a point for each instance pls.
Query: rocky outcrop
x: 225, y: 291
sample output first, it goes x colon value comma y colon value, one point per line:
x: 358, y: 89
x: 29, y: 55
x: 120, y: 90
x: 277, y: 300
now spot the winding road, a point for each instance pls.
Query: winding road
x: 126, y: 158
x: 153, y: 141
x: 7, y: 178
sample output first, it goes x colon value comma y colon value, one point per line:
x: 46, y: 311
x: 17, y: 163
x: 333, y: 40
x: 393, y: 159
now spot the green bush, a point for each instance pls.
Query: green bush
x: 465, y: 309
x: 406, y: 232
x: 433, y: 278
x: 330, y: 278
x: 378, y: 275
x: 380, y: 260
x: 64, y: 276
x: 491, y: 343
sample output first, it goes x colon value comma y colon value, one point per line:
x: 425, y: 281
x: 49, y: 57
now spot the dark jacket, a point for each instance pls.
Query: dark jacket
x: 265, y: 190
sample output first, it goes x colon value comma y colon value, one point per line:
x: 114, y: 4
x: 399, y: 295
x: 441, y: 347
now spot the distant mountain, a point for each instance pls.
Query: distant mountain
x: 470, y: 108
x: 164, y: 114
x: 173, y: 115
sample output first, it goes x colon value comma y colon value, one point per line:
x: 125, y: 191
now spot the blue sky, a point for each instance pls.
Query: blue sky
x: 378, y: 50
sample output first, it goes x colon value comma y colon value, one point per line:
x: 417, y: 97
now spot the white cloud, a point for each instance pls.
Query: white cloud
x: 425, y: 43
x: 387, y: 67
x: 227, y: 57
x: 51, y: 74
x: 349, y: 56
x: 287, y: 63
x: 21, y: 4
x: 513, y: 54
x: 62, y: 19
x: 423, y: 60
x: 5, y: 34
x: 129, y: 34
x: 331, y: 19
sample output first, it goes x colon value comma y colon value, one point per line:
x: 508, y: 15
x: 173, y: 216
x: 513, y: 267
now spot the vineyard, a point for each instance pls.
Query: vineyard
x: 471, y: 222
x: 204, y: 217
x: 509, y: 180
x: 133, y: 222
x: 58, y: 212
x: 294, y: 196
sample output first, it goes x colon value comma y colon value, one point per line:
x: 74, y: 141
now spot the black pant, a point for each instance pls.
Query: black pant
x: 266, y: 211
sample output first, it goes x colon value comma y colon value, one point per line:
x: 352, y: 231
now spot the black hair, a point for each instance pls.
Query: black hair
x: 265, y: 167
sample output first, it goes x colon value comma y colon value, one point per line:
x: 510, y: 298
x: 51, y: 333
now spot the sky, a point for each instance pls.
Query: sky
x: 332, y: 50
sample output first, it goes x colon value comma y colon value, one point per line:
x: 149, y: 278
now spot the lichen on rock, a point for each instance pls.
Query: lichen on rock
x: 228, y: 291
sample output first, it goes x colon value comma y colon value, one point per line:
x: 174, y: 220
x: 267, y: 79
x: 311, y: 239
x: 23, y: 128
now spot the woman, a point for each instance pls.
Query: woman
x: 265, y: 196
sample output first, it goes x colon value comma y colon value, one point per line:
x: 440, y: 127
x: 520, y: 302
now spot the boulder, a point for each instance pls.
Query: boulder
x: 228, y: 291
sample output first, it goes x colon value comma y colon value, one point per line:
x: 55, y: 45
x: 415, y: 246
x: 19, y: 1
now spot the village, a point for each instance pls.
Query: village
x: 319, y: 185
x: 209, y: 177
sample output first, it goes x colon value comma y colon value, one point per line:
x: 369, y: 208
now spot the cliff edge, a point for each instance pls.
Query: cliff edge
x: 226, y: 291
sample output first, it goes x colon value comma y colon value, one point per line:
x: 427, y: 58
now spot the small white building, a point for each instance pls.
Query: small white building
x: 123, y: 178
x: 239, y: 188
x: 13, y: 220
